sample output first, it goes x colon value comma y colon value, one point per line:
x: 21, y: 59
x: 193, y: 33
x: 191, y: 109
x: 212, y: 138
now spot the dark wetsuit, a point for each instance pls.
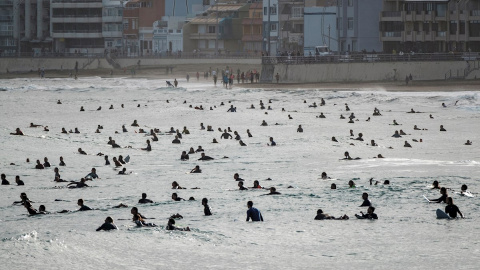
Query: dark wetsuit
x: 226, y: 135
x: 206, y: 210
x: 272, y: 143
x: 61, y: 163
x: 5, y: 182
x: 370, y: 216
x: 46, y: 164
x: 92, y: 175
x: 205, y: 158
x: 451, y: 210
x: 176, y: 141
x: 79, y: 185
x: 107, y: 227
x: 443, y: 199
x: 20, y: 183
x: 254, y: 214
x: 184, y: 157
x: 145, y: 201
x: 84, y: 208
x: 366, y: 203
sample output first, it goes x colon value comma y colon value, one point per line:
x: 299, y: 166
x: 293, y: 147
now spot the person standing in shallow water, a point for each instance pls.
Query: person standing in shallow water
x: 253, y: 213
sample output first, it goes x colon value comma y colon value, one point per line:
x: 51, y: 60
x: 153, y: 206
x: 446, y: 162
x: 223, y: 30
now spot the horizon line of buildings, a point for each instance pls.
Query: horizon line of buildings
x: 163, y: 27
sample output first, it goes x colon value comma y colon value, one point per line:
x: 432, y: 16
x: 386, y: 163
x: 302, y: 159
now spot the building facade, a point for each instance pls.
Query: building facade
x: 291, y: 28
x: 252, y: 29
x: 8, y: 44
x: 320, y: 25
x: 358, y: 25
x: 430, y: 26
x: 270, y: 27
x: 138, y: 19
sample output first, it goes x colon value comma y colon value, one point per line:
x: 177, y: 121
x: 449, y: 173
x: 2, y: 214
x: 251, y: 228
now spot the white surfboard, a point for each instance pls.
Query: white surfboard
x: 441, y: 214
x: 426, y: 198
x: 466, y: 194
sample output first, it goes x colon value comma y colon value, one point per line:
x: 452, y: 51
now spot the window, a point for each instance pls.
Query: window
x: 273, y: 10
x: 350, y: 3
x: 340, y: 3
x: 350, y: 23
x: 297, y: 12
x: 453, y: 27
x: 354, y: 45
x: 133, y: 24
x: 265, y: 11
x: 125, y: 24
x: 273, y: 27
x: 211, y: 29
x: 109, y: 44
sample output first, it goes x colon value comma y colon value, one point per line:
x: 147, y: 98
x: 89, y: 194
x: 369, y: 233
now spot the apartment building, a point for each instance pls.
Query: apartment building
x: 271, y: 27
x: 430, y: 26
x: 291, y: 25
x: 8, y: 44
x: 320, y: 25
x: 252, y: 29
x: 358, y: 25
x: 138, y: 19
x: 217, y: 30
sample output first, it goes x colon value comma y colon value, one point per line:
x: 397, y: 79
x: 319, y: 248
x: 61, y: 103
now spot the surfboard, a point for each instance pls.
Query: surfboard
x: 466, y: 194
x: 426, y: 198
x: 127, y: 159
x: 441, y: 214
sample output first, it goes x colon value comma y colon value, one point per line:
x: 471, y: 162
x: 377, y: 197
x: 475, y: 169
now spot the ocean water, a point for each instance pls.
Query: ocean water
x: 406, y: 235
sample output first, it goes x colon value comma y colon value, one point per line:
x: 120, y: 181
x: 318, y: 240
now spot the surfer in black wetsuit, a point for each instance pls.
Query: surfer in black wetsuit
x: 148, y: 148
x: 442, y: 198
x: 184, y: 156
x: 108, y: 225
x: 80, y: 184
x: 273, y: 191
x: 18, y: 181
x: 176, y: 140
x: 144, y: 199
x: 451, y: 209
x: 4, y: 180
x: 206, y: 208
x: 39, y: 165
x: 176, y: 198
x: 226, y: 135
x: 204, y: 157
x: 241, y: 187
x: 171, y: 226
x: 196, y: 170
x: 81, y: 152
x: 82, y: 206
x: 366, y: 201
x: 369, y: 215
x: 62, y: 163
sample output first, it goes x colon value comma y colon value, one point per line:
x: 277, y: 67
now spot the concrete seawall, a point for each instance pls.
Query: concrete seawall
x: 363, y: 72
x: 33, y: 64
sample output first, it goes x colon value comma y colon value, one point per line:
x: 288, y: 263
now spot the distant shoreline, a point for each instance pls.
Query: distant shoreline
x: 180, y: 74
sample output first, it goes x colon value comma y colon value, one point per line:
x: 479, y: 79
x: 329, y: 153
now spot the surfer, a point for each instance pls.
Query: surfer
x: 253, y: 213
x: 171, y: 226
x: 334, y: 139
x: 196, y: 170
x: 324, y: 176
x: 370, y: 214
x: 442, y: 198
x: 144, y: 199
x: 176, y: 140
x: 204, y: 157
x: 148, y: 148
x: 300, y: 129
x: 39, y: 165
x: 17, y: 132
x: 248, y: 133
x: 108, y: 225
x: 206, y: 208
x: 199, y: 149
x: 264, y: 123
x: 4, y: 180
x: 256, y: 184
x: 272, y: 142
x: 321, y: 216
x: 92, y: 175
x: 169, y: 84
x: 273, y: 191
x: 351, y: 184
x: 184, y: 156
x: 134, y: 124
x: 62, y: 163
x: 116, y: 162
x: 442, y: 128
x: 407, y: 144
x: 451, y: 209
x: 396, y: 135
x: 435, y: 185
x: 176, y: 198
x: 80, y: 184
x: 18, y: 181
x: 241, y: 187
x: 226, y: 135
x: 468, y: 142
x: 82, y: 206
x: 175, y: 185
x: 366, y: 201
x: 81, y: 152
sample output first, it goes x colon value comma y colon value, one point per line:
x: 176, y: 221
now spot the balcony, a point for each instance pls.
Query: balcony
x: 203, y: 36
x: 111, y: 19
x: 391, y: 16
x: 392, y: 36
x: 6, y: 18
x: 112, y: 34
x: 72, y: 19
x: 77, y: 34
x: 76, y: 4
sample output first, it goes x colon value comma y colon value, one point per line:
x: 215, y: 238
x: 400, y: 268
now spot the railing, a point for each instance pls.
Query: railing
x: 392, y: 34
x: 118, y: 55
x: 391, y: 13
x: 77, y: 31
x: 77, y: 1
x: 369, y: 57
